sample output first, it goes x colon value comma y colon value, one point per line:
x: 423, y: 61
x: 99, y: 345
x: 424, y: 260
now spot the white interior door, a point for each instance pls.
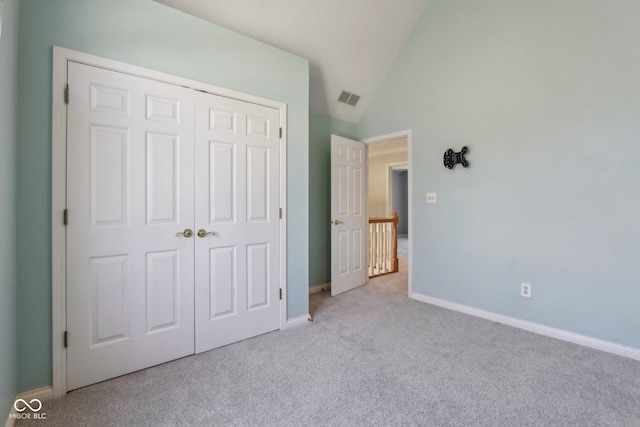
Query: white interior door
x: 348, y: 215
x: 129, y: 191
x: 237, y: 208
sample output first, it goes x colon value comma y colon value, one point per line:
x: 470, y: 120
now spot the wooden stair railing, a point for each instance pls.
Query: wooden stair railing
x: 383, y: 245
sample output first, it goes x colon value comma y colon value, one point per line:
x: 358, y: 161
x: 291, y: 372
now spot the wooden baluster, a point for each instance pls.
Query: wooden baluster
x: 385, y: 261
x: 383, y: 258
x: 381, y: 226
x: 379, y: 248
x: 373, y: 249
x: 369, y: 249
x: 382, y: 249
x: 389, y: 248
x: 396, y: 220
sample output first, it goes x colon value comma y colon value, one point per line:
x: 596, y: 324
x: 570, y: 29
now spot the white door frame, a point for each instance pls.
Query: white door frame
x: 61, y: 57
x: 382, y: 138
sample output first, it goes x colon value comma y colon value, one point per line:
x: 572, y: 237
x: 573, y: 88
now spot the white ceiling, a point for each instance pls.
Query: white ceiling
x: 350, y: 44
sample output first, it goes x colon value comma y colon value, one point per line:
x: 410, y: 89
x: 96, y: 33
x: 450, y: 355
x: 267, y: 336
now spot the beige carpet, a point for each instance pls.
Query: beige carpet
x: 373, y: 358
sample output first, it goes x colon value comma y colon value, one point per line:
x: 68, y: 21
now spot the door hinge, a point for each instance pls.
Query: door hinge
x: 65, y: 217
x: 280, y: 293
x: 280, y: 213
x: 66, y: 94
x: 280, y: 133
x: 66, y: 341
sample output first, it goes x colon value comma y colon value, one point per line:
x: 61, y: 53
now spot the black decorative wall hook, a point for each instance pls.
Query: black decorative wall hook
x: 451, y: 158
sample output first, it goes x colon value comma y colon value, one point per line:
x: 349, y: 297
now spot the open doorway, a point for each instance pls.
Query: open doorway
x: 349, y: 160
x: 388, y: 189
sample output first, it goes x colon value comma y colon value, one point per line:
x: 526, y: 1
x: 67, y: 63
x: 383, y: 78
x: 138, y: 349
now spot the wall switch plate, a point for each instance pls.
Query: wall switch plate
x: 431, y: 197
x: 525, y: 290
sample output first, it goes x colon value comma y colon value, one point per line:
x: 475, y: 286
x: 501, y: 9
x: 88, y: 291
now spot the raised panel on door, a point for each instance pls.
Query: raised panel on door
x: 163, y: 109
x: 342, y: 189
x: 257, y: 275
x: 110, y: 100
x: 257, y: 167
x: 357, y: 192
x: 162, y: 289
x: 129, y: 191
x: 108, y: 284
x: 222, y: 282
x: 237, y: 199
x: 109, y: 175
x: 357, y: 254
x: 343, y: 252
x: 162, y: 178
x: 223, y: 191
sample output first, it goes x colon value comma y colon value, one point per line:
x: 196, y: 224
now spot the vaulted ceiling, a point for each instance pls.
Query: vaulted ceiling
x: 350, y: 44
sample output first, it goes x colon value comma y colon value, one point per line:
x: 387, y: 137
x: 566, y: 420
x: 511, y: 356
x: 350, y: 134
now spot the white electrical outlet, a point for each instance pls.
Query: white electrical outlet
x: 431, y: 197
x: 525, y: 290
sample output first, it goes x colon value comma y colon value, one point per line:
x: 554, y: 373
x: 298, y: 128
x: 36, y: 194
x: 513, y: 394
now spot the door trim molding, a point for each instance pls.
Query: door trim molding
x: 61, y: 57
x: 387, y: 137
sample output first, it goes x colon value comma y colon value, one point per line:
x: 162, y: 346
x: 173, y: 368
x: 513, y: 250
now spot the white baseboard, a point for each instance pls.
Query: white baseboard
x: 298, y: 321
x: 10, y: 421
x: 42, y: 394
x: 598, y: 344
x: 323, y: 287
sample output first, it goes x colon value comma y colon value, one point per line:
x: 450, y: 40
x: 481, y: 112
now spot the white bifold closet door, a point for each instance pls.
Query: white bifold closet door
x: 237, y: 198
x: 148, y: 165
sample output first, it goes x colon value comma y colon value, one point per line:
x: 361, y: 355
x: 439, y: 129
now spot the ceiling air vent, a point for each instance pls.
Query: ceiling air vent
x: 348, y: 98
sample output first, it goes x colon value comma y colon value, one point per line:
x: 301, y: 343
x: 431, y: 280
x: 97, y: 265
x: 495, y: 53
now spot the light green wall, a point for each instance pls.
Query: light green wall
x: 320, y: 130
x: 547, y: 96
x: 8, y: 143
x: 151, y: 35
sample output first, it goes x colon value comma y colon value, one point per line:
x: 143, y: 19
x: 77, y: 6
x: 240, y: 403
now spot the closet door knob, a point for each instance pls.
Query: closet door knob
x: 186, y: 233
x: 204, y: 233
